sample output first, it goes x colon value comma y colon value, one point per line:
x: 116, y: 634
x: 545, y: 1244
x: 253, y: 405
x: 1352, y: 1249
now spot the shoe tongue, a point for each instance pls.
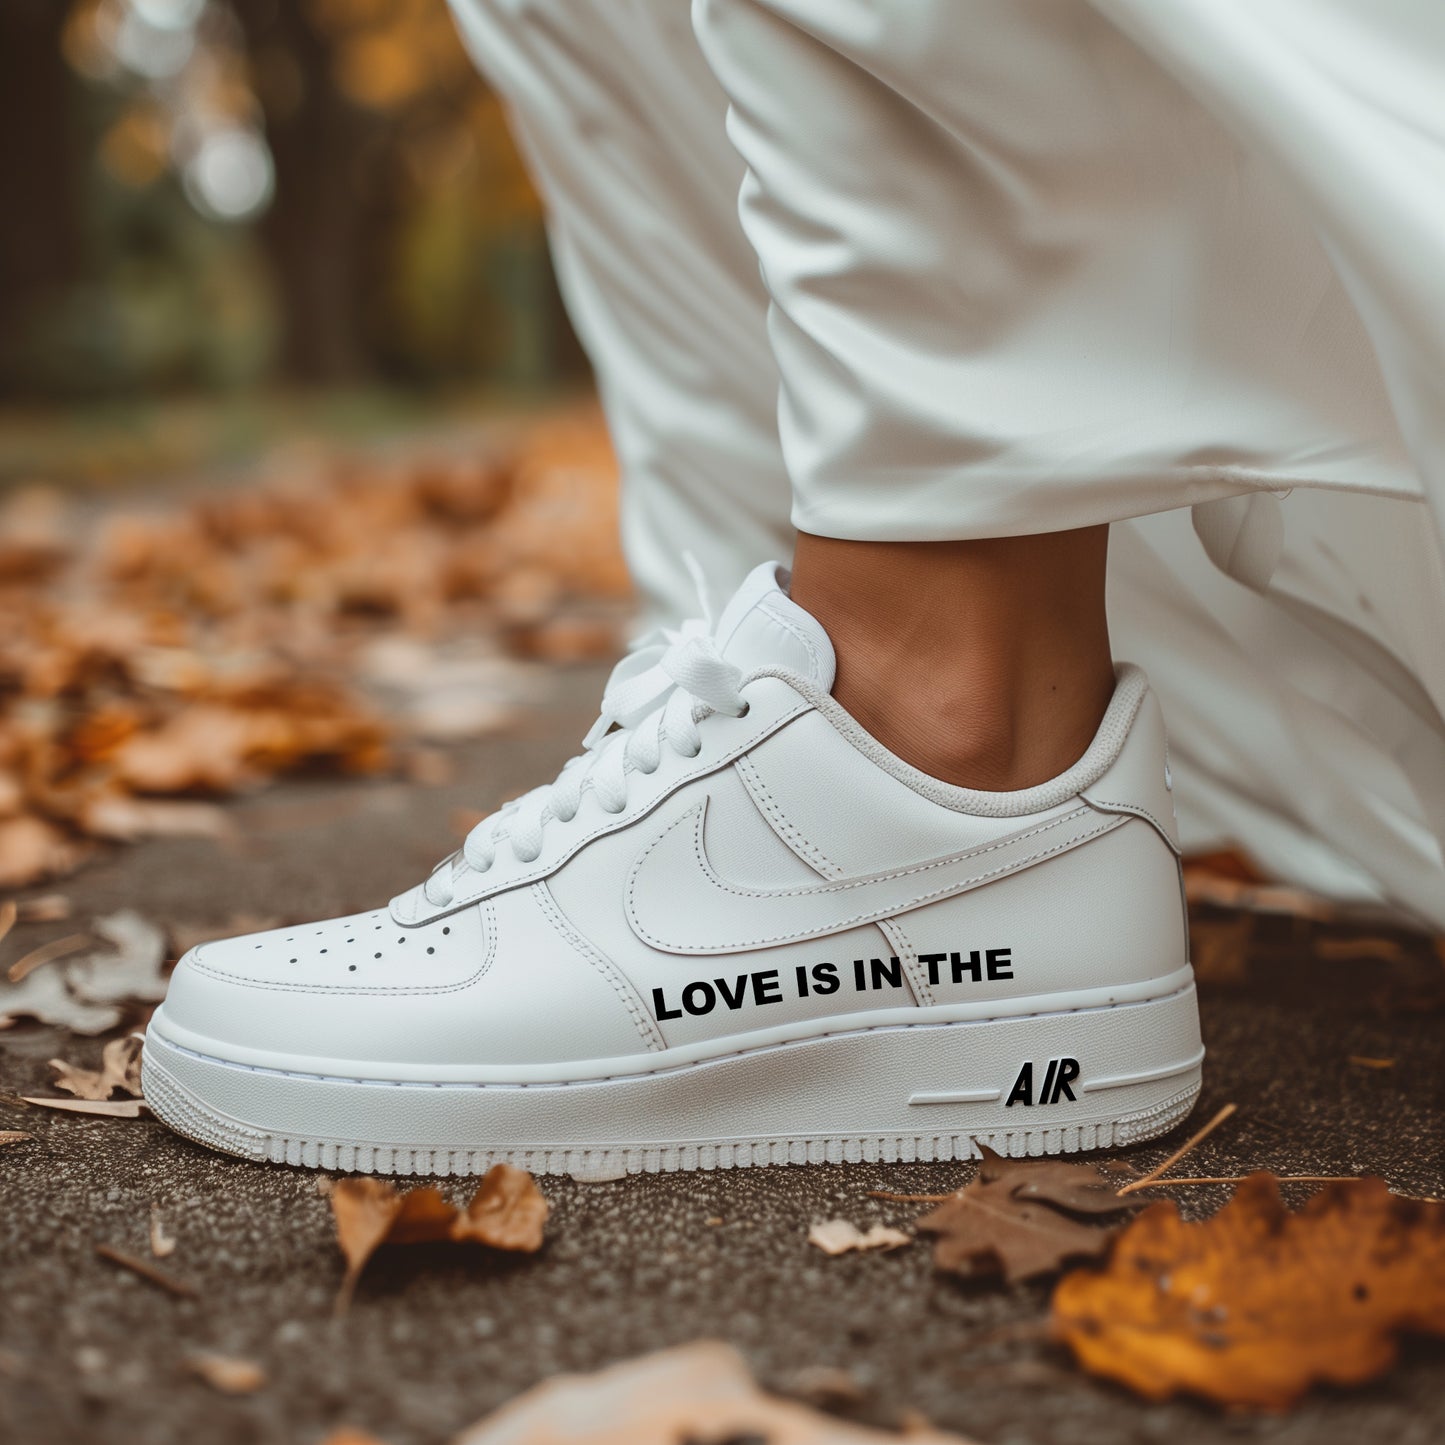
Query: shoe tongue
x: 763, y: 627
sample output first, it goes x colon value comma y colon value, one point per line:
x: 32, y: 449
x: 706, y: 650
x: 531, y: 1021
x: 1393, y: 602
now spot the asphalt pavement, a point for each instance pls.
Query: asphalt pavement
x: 437, y: 1337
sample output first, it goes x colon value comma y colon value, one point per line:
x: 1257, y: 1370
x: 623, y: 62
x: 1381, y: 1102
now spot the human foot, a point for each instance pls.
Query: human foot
x: 735, y: 931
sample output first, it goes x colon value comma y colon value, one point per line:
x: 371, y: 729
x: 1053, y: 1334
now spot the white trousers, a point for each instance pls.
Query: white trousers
x: 931, y: 269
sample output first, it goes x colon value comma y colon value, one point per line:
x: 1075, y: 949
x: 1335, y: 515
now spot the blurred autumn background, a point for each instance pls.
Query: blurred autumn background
x: 296, y: 457
x: 211, y: 198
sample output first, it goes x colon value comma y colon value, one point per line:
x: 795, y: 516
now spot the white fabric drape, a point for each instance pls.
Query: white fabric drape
x: 953, y: 268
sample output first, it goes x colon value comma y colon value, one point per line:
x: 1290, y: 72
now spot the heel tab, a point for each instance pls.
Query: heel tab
x: 1138, y: 781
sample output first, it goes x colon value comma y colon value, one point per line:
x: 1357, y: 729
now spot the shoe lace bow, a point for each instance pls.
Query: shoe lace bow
x: 657, y: 695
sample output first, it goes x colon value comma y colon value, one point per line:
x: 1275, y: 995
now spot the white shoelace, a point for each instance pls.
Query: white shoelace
x: 657, y: 694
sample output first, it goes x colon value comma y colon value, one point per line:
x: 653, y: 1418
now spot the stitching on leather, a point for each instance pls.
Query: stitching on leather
x: 1138, y: 809
x: 623, y: 821
x: 897, y: 935
x: 788, y: 831
x: 489, y: 923
x: 838, y: 925
x: 651, y: 1034
x: 842, y: 885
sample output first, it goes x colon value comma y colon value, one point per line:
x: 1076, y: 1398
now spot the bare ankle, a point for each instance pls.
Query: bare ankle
x: 985, y: 664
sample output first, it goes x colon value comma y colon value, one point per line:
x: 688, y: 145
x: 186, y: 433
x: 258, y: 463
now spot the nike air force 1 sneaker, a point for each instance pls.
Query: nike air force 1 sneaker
x: 735, y: 930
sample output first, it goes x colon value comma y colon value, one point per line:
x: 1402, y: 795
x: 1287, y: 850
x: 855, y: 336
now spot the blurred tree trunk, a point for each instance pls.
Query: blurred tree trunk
x: 40, y: 234
x: 318, y: 229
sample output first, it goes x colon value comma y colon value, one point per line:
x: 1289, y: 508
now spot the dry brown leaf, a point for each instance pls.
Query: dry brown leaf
x: 162, y: 1244
x: 9, y: 912
x: 32, y: 849
x: 701, y: 1392
x: 48, y: 908
x: 226, y: 1373
x: 119, y: 1069
x: 107, y: 1108
x: 1018, y: 1218
x: 507, y: 1212
x: 124, y: 819
x: 13, y: 1136
x: 1252, y: 1306
x: 838, y: 1236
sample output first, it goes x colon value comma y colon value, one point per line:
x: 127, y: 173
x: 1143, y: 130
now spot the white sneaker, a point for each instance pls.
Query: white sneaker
x: 736, y: 930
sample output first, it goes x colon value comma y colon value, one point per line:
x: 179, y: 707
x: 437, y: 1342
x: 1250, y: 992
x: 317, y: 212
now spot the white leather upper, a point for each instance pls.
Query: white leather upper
x: 783, y: 876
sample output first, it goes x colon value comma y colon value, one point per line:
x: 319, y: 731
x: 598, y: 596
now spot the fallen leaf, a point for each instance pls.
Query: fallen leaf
x: 125, y: 819
x: 22, y: 968
x: 162, y: 1244
x: 48, y: 908
x: 226, y: 1374
x: 111, y: 1108
x: 44, y: 996
x: 130, y: 970
x: 506, y: 1212
x: 9, y: 912
x: 119, y: 1069
x: 429, y: 768
x: 1251, y: 1307
x: 701, y: 1392
x: 838, y: 1236
x: 1017, y: 1217
x: 13, y: 1136
x: 32, y: 849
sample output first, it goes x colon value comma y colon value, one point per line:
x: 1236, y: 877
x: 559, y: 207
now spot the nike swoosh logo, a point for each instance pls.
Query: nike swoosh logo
x: 677, y: 902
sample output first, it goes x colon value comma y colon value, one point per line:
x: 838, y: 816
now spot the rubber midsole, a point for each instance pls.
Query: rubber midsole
x: 1075, y: 1067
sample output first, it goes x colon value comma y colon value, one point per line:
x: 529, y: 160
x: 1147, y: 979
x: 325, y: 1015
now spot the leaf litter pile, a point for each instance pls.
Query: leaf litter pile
x: 325, y: 617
